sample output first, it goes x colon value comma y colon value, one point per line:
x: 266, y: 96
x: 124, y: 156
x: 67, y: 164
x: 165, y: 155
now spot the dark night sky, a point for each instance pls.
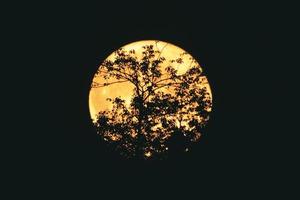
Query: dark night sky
x: 232, y: 43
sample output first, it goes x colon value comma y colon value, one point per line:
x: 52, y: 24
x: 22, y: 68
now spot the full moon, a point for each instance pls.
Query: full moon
x: 104, y: 89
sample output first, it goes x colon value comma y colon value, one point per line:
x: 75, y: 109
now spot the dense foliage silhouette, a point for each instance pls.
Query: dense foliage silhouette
x: 167, y: 112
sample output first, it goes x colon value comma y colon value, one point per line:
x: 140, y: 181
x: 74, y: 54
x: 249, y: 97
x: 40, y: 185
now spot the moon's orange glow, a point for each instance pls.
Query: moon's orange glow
x: 150, y: 98
x: 98, y: 96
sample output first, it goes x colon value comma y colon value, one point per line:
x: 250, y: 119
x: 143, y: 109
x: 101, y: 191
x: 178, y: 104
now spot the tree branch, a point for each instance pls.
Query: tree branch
x: 161, y: 80
x: 159, y: 87
x: 160, y: 50
x: 98, y: 85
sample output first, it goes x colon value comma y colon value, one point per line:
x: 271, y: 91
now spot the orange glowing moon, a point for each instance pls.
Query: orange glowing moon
x: 98, y: 96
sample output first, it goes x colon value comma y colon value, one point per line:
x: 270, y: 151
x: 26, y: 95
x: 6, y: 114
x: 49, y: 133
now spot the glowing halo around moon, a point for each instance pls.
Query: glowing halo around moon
x: 98, y: 96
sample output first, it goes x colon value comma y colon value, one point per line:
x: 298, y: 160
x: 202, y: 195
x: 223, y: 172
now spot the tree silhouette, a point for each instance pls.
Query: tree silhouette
x: 165, y: 104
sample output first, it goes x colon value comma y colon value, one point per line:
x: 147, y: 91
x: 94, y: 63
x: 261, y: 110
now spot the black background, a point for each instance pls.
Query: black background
x: 234, y: 43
